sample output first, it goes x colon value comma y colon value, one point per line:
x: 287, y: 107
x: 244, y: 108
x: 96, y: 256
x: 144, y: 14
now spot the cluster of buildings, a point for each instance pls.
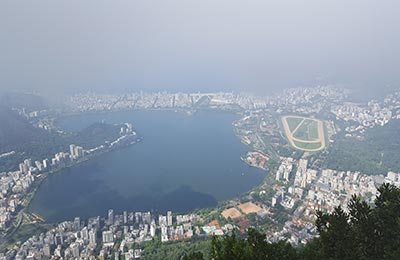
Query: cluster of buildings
x: 307, y: 190
x: 256, y: 159
x: 258, y: 129
x: 300, y: 100
x: 299, y: 96
x: 38, y: 118
x: 117, y: 235
x: 293, y: 234
x: 393, y: 178
x: 30, y: 114
x: 369, y: 115
x: 162, y: 100
x: 15, y: 185
x: 308, y: 100
x: 284, y: 169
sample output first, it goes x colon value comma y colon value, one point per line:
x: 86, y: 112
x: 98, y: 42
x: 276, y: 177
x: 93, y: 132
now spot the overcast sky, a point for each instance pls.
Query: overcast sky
x: 204, y: 45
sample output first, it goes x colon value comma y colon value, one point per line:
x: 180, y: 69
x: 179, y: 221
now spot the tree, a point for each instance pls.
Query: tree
x: 386, y: 218
x: 193, y: 256
x: 252, y: 246
x: 365, y: 232
x: 336, y: 236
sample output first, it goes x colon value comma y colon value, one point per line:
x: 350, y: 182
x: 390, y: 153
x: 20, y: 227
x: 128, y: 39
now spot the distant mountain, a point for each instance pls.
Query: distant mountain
x: 21, y: 100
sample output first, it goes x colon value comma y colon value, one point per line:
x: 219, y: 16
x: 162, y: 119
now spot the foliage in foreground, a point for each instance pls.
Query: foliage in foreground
x: 175, y: 250
x: 365, y: 232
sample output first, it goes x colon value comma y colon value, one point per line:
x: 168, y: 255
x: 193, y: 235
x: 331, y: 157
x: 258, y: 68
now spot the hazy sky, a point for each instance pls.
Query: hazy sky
x: 200, y: 45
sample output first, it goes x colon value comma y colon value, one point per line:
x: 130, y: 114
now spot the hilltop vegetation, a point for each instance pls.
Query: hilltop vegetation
x: 377, y: 153
x: 15, y: 131
x: 30, y: 102
x: 19, y: 135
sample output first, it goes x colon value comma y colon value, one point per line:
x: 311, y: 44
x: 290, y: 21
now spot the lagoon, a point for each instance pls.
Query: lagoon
x: 183, y: 163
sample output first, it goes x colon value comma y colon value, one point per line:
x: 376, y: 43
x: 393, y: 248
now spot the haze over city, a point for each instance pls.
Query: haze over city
x: 259, y: 46
x: 199, y: 130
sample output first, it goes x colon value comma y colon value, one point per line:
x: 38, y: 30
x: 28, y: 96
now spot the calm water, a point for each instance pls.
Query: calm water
x: 184, y: 162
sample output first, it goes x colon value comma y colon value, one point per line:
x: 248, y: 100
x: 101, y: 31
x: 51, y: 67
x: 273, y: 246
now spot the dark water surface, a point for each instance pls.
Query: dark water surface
x: 184, y: 162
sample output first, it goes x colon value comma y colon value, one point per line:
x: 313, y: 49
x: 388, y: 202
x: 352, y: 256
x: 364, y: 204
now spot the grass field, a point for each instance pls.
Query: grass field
x: 313, y: 131
x: 306, y: 134
x: 308, y: 130
x: 308, y: 146
x: 293, y: 122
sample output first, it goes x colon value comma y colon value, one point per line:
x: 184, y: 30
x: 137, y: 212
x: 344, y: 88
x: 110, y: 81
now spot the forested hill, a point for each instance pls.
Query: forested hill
x: 19, y: 135
x: 15, y: 130
x: 20, y: 100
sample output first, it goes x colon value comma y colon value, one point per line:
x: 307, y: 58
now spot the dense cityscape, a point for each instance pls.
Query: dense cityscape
x: 283, y: 206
